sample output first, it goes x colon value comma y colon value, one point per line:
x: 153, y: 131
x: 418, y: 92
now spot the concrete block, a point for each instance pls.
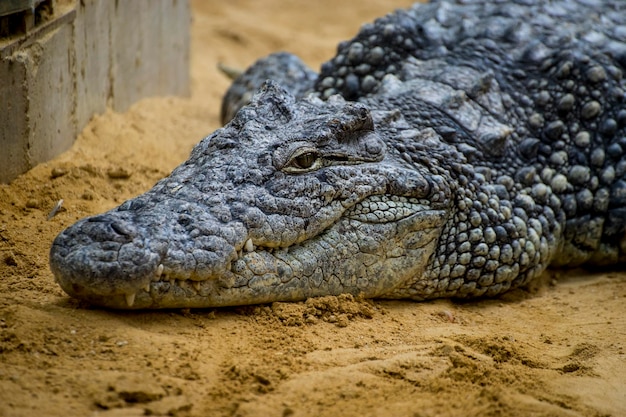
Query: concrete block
x: 91, y: 54
x: 149, y: 41
x: 175, y: 38
x: 51, y: 95
x: 92, y: 34
x: 14, y: 137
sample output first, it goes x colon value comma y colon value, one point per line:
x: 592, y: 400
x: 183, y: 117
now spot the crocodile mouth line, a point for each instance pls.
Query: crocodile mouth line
x: 163, y: 277
x: 376, y: 209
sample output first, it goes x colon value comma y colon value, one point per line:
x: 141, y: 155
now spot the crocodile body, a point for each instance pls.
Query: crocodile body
x: 454, y: 149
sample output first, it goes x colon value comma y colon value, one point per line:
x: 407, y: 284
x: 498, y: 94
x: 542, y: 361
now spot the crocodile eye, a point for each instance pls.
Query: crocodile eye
x: 304, y: 161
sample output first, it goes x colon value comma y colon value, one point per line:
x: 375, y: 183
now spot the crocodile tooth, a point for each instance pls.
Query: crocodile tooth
x: 172, y: 281
x: 147, y: 287
x: 130, y: 299
x: 249, y: 246
x: 196, y: 285
x: 159, y: 271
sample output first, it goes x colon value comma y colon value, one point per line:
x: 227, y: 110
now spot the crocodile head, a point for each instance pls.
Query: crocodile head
x: 289, y: 200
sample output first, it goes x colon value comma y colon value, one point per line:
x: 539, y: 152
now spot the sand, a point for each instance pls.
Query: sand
x: 556, y: 348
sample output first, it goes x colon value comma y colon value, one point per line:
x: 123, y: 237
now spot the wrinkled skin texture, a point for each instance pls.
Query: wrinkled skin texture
x: 449, y: 150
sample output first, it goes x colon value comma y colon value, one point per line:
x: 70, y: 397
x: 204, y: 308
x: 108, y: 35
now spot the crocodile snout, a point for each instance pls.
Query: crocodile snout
x: 127, y: 254
x: 102, y: 255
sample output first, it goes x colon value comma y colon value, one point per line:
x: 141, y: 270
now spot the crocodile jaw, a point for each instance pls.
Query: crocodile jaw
x: 356, y: 255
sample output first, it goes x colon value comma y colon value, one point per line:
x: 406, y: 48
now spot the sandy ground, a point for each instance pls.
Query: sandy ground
x: 556, y: 349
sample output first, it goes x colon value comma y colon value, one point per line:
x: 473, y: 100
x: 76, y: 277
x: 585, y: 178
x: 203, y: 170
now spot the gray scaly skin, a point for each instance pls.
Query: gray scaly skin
x: 449, y: 150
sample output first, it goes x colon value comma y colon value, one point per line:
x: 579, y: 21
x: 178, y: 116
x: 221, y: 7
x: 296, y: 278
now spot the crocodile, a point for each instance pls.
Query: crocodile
x: 451, y: 149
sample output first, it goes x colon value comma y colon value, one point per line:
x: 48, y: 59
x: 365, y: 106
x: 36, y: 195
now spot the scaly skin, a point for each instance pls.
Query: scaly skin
x: 481, y: 143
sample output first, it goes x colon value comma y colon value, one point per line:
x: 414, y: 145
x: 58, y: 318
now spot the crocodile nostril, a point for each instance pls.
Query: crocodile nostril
x: 184, y: 220
x: 122, y: 228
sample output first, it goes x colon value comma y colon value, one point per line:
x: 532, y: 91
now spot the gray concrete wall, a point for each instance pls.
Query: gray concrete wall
x: 92, y: 54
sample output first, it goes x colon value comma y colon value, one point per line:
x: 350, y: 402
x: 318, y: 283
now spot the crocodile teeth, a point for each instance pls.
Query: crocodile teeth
x: 158, y: 272
x: 130, y: 299
x: 249, y: 246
